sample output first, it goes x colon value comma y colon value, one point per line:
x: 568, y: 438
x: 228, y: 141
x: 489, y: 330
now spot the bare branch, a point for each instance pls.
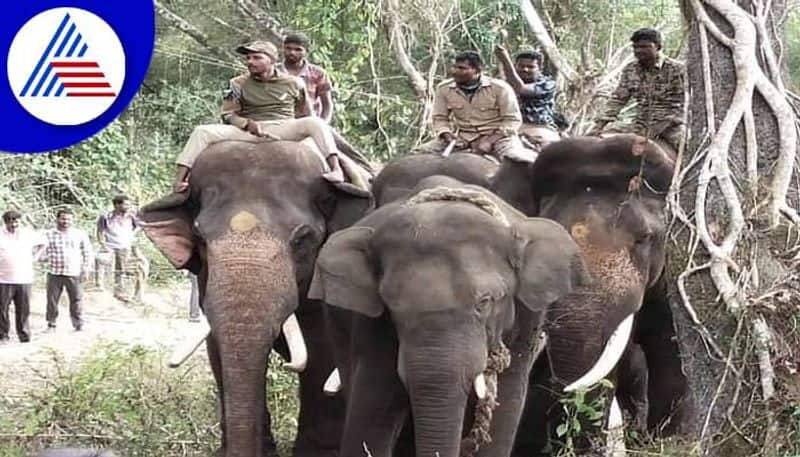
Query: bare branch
x: 264, y: 20
x: 186, y: 27
x: 393, y: 25
x: 548, y: 45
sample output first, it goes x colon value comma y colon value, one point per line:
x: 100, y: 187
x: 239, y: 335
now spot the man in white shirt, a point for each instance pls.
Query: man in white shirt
x: 19, y: 246
x: 116, y: 232
x: 69, y: 255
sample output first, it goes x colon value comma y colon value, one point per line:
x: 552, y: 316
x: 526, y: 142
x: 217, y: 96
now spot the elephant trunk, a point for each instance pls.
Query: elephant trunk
x: 251, y: 291
x: 439, y: 387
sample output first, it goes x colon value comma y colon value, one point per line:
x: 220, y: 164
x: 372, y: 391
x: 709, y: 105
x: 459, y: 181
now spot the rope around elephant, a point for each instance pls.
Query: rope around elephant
x: 473, y: 196
x: 499, y: 359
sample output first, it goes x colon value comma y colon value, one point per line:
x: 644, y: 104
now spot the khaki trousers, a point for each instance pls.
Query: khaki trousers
x: 509, y: 148
x: 539, y: 134
x: 312, y: 131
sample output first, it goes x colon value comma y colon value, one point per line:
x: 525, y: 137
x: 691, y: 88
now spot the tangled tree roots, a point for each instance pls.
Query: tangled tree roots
x: 499, y: 360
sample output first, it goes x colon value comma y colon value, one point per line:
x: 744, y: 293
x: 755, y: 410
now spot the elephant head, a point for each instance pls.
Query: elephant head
x: 250, y: 228
x: 451, y: 269
x: 610, y: 195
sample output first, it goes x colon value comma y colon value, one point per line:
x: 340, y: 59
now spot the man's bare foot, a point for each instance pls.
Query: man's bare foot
x: 180, y: 186
x: 336, y: 174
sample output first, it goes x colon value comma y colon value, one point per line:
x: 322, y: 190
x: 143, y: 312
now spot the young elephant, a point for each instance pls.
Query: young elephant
x: 438, y: 286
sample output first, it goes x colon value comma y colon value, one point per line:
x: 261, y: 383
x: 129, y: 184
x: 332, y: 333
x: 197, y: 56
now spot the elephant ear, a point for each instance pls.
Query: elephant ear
x: 344, y: 276
x: 549, y: 263
x: 168, y: 224
x: 343, y: 204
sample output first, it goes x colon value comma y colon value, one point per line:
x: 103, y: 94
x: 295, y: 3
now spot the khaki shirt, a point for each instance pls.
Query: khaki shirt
x: 658, y: 92
x: 273, y: 99
x: 492, y: 107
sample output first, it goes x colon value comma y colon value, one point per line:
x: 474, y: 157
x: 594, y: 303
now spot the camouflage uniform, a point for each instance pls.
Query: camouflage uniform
x: 492, y: 108
x: 659, y: 94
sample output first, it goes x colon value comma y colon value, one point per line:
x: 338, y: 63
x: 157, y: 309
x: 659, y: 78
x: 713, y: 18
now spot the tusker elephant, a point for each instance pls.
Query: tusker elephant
x: 250, y: 228
x: 437, y: 286
x: 609, y: 194
x: 400, y: 176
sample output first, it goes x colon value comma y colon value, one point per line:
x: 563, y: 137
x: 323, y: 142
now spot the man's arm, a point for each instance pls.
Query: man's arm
x: 619, y: 98
x: 87, y: 256
x: 232, y: 106
x: 100, y: 228
x: 675, y: 97
x: 509, y: 72
x: 510, y: 117
x: 441, y: 114
x: 302, y: 106
x: 326, y: 100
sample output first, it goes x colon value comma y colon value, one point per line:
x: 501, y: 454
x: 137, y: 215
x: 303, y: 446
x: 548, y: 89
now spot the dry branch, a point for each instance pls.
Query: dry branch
x: 393, y: 26
x: 264, y: 20
x: 548, y: 45
x: 174, y: 20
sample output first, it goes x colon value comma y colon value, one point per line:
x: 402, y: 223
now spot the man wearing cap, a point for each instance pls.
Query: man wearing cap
x: 475, y: 113
x: 319, y: 89
x: 266, y: 104
x: 656, y: 83
x: 536, y: 93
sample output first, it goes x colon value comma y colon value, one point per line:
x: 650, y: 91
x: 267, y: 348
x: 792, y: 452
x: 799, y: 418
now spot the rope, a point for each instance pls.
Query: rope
x: 499, y: 360
x: 473, y: 196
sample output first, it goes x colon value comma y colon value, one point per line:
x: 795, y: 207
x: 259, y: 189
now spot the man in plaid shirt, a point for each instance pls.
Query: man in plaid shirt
x: 69, y: 253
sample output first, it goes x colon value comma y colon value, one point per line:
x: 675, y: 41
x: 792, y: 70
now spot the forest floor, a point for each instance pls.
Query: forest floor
x: 159, y: 321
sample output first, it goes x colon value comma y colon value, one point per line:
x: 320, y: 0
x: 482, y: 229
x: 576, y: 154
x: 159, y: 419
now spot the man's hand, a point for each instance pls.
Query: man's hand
x: 253, y: 128
x: 500, y: 51
x: 83, y: 276
x: 485, y: 144
x: 447, y: 137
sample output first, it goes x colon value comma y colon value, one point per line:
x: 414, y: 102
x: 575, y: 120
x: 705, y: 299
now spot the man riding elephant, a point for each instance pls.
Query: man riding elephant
x: 473, y: 112
x: 656, y: 83
x: 267, y: 104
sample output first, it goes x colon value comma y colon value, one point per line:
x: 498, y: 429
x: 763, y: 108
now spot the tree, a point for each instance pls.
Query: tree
x: 734, y: 231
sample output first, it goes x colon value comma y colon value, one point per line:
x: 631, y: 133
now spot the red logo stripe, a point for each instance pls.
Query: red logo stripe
x: 100, y: 84
x: 74, y: 64
x: 91, y: 94
x: 78, y: 74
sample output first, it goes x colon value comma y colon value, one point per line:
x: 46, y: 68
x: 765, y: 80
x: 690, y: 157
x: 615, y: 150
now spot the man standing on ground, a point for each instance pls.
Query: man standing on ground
x: 475, y: 113
x: 656, y: 83
x: 319, y: 89
x: 116, y: 232
x: 536, y: 93
x: 19, y: 247
x: 69, y: 254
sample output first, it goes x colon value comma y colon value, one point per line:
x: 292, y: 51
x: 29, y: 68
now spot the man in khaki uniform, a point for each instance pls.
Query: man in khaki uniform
x: 476, y: 114
x: 656, y: 83
x: 267, y: 104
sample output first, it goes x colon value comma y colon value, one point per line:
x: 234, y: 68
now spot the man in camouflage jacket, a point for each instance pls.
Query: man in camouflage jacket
x: 656, y: 83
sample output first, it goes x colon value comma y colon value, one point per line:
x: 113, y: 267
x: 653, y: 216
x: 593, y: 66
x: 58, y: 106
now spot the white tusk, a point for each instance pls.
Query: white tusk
x: 614, y: 415
x: 614, y: 349
x: 298, y: 353
x: 195, y: 337
x: 480, y: 386
x: 333, y: 384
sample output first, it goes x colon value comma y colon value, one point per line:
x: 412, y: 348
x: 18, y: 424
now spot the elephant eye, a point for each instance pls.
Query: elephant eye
x: 483, y: 305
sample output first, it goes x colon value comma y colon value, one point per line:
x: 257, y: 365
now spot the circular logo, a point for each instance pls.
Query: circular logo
x: 66, y: 66
x: 72, y: 66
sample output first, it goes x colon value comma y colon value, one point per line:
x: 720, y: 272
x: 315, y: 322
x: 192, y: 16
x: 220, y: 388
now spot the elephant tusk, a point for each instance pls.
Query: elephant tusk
x: 333, y: 384
x: 297, y: 345
x: 480, y: 386
x: 608, y: 359
x: 614, y: 415
x: 196, y: 336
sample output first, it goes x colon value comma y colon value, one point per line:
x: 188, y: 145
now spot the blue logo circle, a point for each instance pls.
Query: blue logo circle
x: 71, y: 68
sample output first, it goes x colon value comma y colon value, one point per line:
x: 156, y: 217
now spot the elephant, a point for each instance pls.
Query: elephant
x: 75, y: 452
x: 424, y: 293
x: 400, y: 176
x: 250, y: 228
x: 609, y: 194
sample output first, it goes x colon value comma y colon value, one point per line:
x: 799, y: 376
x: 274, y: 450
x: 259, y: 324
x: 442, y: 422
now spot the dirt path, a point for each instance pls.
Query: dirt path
x: 161, y: 321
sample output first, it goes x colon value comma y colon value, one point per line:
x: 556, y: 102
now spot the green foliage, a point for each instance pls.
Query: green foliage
x: 582, y: 410
x: 125, y: 398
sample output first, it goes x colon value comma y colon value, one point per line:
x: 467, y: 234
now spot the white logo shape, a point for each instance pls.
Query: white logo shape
x: 66, y: 66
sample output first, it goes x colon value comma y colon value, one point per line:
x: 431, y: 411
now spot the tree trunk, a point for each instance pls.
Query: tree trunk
x: 731, y: 207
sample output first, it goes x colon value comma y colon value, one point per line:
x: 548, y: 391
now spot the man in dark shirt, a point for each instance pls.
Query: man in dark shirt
x: 535, y: 92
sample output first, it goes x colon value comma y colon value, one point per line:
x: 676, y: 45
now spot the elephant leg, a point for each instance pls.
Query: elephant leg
x: 378, y: 402
x: 405, y: 446
x: 632, y: 385
x: 533, y: 433
x: 321, y: 417
x: 512, y: 384
x: 216, y: 370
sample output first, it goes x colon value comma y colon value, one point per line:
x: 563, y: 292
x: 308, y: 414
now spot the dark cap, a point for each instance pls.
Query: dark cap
x: 264, y: 47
